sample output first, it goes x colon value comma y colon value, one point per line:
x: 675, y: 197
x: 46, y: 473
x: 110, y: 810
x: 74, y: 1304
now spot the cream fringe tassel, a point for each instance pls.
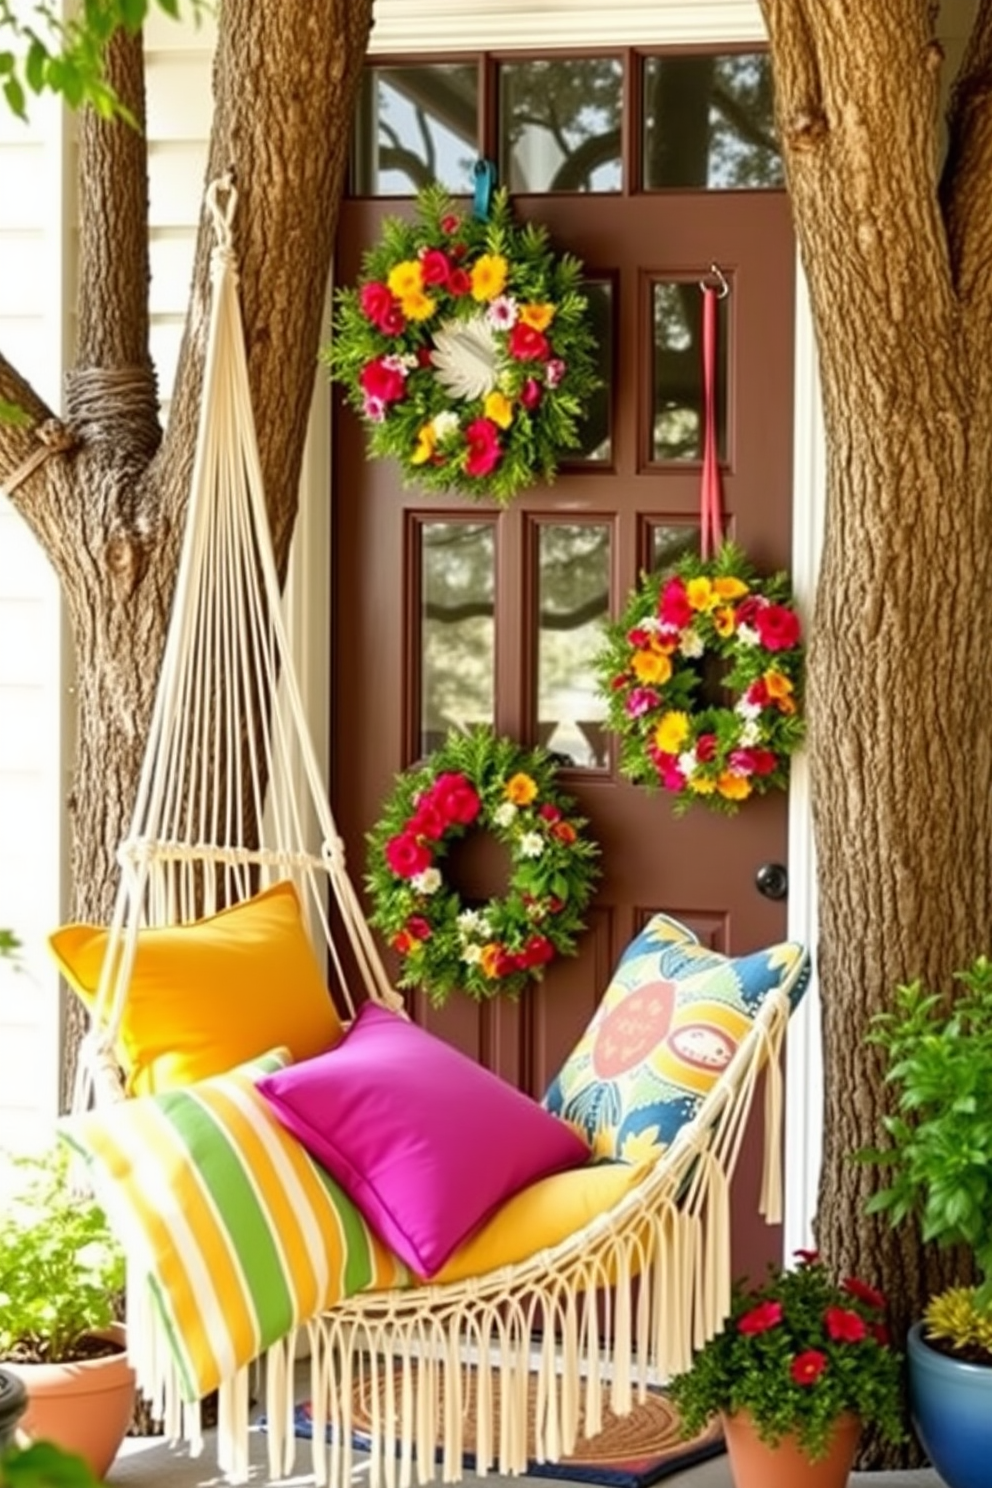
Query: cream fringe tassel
x: 623, y: 1303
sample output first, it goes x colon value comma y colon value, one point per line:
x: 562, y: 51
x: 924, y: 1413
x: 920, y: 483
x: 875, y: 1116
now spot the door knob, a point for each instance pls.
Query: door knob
x: 772, y: 880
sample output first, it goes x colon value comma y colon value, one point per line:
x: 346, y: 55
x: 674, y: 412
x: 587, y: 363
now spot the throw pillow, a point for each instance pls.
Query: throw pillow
x: 206, y: 996
x: 240, y: 1235
x: 668, y: 1026
x: 426, y: 1141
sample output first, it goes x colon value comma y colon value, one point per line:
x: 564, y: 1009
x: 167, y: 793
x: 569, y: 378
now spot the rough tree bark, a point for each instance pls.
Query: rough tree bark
x: 899, y: 687
x: 109, y: 509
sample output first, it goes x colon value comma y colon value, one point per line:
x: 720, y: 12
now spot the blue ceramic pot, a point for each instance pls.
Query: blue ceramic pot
x: 951, y: 1406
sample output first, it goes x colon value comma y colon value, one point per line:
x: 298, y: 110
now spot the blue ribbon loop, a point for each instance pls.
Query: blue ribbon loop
x: 485, y: 184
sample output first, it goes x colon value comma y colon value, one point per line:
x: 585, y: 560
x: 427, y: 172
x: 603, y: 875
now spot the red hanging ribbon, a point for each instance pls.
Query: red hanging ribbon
x: 710, y: 495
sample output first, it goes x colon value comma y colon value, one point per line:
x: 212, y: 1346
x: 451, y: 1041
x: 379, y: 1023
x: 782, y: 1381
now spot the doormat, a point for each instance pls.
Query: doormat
x: 630, y: 1452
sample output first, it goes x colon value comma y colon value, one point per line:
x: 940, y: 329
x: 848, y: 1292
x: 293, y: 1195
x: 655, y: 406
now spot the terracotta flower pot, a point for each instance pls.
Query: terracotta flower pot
x: 84, y: 1407
x: 757, y: 1465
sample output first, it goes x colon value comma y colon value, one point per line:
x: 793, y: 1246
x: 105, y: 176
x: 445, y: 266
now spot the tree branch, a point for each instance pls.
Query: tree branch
x: 798, y: 86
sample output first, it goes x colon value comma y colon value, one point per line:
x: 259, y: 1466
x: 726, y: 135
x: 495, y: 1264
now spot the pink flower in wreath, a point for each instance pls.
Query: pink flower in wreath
x: 482, y: 437
x: 459, y: 282
x: 388, y: 384
x: 528, y: 345
x: 435, y: 266
x: 456, y: 799
x: 428, y: 820
x: 752, y: 761
x: 669, y: 773
x: 381, y: 307
x: 777, y: 627
x: 674, y: 607
x: 530, y: 394
x: 406, y: 856
x: 555, y: 371
x: 706, y: 748
x: 418, y: 927
x: 640, y: 700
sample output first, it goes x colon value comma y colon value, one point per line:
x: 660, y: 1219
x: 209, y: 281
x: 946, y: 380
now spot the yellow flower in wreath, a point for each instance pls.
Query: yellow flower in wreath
x: 426, y: 442
x: 498, y: 408
x: 725, y: 586
x: 651, y: 666
x: 700, y: 594
x: 521, y: 790
x: 418, y: 306
x: 406, y: 278
x: 733, y: 787
x: 538, y: 317
x: 488, y: 276
x: 672, y: 732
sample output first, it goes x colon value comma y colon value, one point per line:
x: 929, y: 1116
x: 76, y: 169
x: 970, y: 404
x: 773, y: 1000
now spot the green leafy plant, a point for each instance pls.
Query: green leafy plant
x: 61, y: 1271
x: 939, y: 1061
x: 796, y: 1354
x: 44, y: 1465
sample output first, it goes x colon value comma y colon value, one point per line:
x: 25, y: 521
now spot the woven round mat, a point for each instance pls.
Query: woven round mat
x: 651, y: 1431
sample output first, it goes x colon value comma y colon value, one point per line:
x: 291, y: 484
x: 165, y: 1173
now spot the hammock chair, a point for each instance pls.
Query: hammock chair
x: 231, y: 802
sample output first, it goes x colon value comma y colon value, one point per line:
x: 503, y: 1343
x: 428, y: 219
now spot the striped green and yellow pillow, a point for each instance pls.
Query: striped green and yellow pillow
x: 242, y: 1236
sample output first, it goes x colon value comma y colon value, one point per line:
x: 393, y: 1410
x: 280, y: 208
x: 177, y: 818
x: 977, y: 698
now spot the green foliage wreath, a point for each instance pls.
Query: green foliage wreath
x: 478, y: 781
x: 466, y: 349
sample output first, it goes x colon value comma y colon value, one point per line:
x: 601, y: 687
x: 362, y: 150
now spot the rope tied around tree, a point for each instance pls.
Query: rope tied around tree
x: 117, y: 406
x: 54, y: 438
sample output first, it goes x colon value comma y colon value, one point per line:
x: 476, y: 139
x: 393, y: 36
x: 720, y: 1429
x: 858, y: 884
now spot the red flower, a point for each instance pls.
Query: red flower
x: 881, y: 1334
x: 428, y: 820
x: 435, y: 266
x: 403, y: 942
x: 549, y: 813
x: 380, y: 306
x: 752, y: 761
x: 863, y: 1292
x: 406, y: 856
x: 563, y: 831
x: 459, y: 282
x: 807, y: 1368
x: 706, y: 748
x: 537, y: 952
x: 747, y: 611
x: 530, y: 393
x: 482, y: 437
x: 766, y: 1315
x: 528, y: 345
x: 757, y: 694
x: 450, y: 223
x: 674, y: 607
x: 385, y: 383
x: 777, y: 627
x: 845, y: 1326
x: 456, y: 799
x: 669, y: 773
x: 418, y: 927
x: 808, y: 1257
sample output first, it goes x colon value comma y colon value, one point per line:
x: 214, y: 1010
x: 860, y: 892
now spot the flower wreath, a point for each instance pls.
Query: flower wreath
x: 466, y: 349
x: 477, y: 780
x: 650, y: 669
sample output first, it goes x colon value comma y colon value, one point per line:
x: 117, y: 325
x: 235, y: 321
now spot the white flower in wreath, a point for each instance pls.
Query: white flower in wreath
x: 465, y: 358
x: 473, y: 922
x: 687, y: 762
x: 747, y: 710
x: 750, y: 733
x: 445, y: 424
x: 651, y: 624
x: 747, y: 636
x: 531, y: 845
x: 503, y: 815
x: 427, y: 882
x: 472, y: 954
x: 692, y: 645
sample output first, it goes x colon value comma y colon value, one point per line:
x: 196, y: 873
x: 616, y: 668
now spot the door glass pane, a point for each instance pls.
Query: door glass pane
x: 670, y: 542
x: 559, y: 124
x: 415, y: 126
x: 677, y: 405
x: 709, y: 123
x: 572, y: 593
x: 595, y: 435
x: 457, y: 628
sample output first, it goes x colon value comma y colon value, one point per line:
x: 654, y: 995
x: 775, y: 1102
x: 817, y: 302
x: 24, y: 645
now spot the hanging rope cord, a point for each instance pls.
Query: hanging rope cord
x: 221, y: 806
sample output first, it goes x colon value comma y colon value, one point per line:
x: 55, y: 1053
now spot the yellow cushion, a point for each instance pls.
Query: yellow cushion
x: 211, y: 994
x: 541, y: 1215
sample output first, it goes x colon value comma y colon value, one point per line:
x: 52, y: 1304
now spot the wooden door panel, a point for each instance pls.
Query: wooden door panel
x: 700, y: 868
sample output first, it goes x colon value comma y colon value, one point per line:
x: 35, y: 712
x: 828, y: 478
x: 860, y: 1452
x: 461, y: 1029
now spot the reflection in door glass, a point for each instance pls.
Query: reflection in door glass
x: 560, y: 124
x: 415, y: 126
x: 709, y: 123
x: 670, y: 542
x: 595, y: 434
x: 677, y: 412
x: 573, y: 596
x: 457, y: 628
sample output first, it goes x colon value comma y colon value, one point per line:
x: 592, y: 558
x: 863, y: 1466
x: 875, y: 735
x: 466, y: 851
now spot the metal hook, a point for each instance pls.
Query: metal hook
x: 721, y: 289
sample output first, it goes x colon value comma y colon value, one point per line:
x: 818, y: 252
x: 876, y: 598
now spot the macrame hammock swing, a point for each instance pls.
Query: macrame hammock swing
x: 231, y: 800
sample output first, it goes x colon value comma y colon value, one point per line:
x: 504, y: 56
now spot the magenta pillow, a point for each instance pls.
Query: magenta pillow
x: 424, y: 1141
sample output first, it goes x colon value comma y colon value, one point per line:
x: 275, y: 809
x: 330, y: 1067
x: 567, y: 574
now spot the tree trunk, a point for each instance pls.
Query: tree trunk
x: 899, y: 686
x: 109, y: 512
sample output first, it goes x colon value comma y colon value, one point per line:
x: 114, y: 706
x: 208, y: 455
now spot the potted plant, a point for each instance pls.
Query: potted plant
x: 61, y: 1281
x: 44, y: 1465
x: 939, y: 1061
x: 801, y: 1365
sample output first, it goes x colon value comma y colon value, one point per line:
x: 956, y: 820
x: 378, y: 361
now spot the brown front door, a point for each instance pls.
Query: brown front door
x: 536, y: 577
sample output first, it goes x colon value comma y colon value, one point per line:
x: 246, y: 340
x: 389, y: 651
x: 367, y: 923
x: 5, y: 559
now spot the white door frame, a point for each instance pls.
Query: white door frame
x: 437, y: 26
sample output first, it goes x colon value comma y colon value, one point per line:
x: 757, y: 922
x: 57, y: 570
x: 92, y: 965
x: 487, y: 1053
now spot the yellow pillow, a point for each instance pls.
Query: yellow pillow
x: 540, y: 1215
x: 211, y: 994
